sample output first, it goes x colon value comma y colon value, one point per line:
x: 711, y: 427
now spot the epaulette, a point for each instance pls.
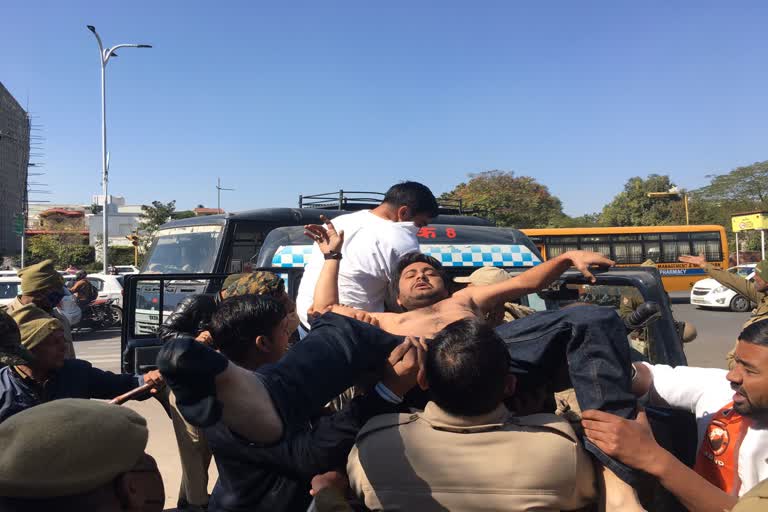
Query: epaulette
x: 548, y: 422
x: 385, y: 421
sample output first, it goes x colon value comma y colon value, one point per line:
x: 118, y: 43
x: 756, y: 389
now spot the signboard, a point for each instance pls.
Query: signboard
x: 18, y: 224
x: 749, y: 222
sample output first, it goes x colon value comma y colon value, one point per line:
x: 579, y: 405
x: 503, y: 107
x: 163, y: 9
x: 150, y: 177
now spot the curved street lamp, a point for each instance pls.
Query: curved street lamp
x: 104, y: 55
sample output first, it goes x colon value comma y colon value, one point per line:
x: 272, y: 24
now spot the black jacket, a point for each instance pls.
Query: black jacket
x: 254, y: 477
x: 192, y: 315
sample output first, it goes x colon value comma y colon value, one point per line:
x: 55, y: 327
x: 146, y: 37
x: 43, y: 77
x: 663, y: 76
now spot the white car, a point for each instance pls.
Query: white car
x: 710, y: 293
x: 10, y: 288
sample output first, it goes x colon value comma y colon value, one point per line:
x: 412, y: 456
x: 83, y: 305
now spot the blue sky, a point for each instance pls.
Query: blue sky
x: 283, y: 98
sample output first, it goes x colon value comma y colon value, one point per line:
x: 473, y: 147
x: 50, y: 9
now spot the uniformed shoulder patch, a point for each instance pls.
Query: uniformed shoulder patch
x: 385, y: 421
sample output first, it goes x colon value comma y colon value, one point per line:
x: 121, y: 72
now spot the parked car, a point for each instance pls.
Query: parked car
x: 710, y: 293
x: 9, y: 288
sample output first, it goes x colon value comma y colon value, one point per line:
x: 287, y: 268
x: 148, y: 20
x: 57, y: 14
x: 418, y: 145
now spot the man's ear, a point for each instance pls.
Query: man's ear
x: 421, y: 379
x: 510, y: 383
x: 262, y: 343
x: 403, y: 214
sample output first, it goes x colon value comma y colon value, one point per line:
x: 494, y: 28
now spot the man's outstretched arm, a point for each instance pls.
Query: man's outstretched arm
x: 534, y: 279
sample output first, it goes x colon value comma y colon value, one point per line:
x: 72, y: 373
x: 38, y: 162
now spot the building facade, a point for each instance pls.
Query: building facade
x: 14, y: 164
x: 123, y: 219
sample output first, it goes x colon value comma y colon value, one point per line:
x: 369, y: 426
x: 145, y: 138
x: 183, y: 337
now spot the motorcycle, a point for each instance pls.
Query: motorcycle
x: 100, y: 314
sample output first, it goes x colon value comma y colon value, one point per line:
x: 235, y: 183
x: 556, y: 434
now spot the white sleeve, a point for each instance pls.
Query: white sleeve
x: 683, y: 386
x: 391, y: 245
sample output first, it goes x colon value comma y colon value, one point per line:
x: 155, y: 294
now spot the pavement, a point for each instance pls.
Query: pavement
x: 717, y: 332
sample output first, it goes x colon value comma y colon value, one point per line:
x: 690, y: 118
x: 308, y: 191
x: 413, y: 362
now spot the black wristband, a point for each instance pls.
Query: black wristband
x: 332, y: 255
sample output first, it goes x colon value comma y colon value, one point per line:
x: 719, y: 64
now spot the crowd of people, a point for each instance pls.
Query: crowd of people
x: 378, y: 389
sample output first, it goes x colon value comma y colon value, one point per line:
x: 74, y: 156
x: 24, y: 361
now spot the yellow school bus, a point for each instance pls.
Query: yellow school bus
x: 634, y: 245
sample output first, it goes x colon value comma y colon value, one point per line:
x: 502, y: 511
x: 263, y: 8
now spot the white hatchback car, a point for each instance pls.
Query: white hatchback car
x: 710, y: 293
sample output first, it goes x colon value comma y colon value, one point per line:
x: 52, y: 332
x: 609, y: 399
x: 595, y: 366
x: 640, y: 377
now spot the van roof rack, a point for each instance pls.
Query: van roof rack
x: 352, y: 200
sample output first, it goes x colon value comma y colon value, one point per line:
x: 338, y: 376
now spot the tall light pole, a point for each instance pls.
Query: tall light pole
x: 674, y: 192
x: 218, y: 194
x: 104, y: 56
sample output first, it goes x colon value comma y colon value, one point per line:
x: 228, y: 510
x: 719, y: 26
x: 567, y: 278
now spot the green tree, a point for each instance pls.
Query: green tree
x: 747, y: 186
x: 184, y: 214
x: 633, y: 207
x: 152, y: 217
x: 509, y: 200
x: 96, y: 208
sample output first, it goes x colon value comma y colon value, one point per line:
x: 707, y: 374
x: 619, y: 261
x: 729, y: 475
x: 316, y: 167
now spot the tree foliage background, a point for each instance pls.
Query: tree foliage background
x: 509, y: 200
x: 633, y: 207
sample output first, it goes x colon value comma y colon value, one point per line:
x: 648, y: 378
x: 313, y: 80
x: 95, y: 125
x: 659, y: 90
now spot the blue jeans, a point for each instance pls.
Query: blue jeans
x: 584, y: 347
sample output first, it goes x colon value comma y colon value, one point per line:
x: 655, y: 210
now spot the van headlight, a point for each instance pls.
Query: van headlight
x: 720, y: 289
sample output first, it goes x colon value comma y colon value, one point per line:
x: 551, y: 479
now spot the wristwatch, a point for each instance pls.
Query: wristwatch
x: 332, y: 255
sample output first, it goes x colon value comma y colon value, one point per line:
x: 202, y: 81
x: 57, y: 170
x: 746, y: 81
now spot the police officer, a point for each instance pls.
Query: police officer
x: 78, y: 455
x: 42, y: 286
x: 756, y: 291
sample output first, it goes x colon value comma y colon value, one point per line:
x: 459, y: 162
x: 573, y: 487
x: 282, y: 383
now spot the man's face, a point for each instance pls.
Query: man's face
x: 420, y: 286
x: 51, y: 352
x: 280, y: 339
x: 48, y: 299
x: 749, y: 379
x: 147, y: 485
x: 290, y: 311
x: 760, y: 284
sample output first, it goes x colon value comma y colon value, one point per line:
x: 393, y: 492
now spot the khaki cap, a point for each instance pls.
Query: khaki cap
x: 67, y: 447
x: 12, y: 353
x: 34, y: 325
x: 39, y: 277
x: 484, y: 276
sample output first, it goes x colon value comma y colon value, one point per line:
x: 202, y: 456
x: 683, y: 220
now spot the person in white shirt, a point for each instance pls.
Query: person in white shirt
x: 374, y: 242
x: 731, y: 409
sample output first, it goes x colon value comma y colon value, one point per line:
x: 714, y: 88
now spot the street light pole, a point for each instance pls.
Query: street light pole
x: 105, y: 55
x: 674, y: 193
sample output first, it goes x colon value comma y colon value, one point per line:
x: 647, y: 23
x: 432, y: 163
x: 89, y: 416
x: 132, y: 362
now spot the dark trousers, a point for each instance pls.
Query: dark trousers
x: 584, y: 347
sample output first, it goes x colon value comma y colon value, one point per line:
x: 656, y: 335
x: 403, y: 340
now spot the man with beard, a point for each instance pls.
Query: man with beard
x: 732, y: 425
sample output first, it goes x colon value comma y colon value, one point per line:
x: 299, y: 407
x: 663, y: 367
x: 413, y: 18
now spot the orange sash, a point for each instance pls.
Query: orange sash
x: 718, y: 456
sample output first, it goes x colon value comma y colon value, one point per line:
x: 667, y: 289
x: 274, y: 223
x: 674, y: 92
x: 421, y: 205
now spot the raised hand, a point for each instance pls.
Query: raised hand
x: 582, y: 260
x: 326, y: 238
x: 699, y: 260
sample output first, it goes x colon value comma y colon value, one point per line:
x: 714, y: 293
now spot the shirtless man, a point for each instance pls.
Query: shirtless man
x: 421, y: 290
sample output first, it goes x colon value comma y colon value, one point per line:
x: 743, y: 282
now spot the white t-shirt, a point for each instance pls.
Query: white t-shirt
x: 372, y: 248
x: 704, y: 391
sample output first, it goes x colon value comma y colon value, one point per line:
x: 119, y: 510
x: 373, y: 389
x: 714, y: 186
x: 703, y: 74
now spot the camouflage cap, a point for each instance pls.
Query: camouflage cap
x: 255, y: 283
x: 11, y: 351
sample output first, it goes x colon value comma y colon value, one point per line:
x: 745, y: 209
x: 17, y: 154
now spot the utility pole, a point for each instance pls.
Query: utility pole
x: 218, y: 194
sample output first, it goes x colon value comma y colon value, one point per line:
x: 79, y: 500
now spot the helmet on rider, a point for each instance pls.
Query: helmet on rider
x: 81, y: 274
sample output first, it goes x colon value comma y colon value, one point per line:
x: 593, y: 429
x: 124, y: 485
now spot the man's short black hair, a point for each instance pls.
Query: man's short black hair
x: 416, y: 257
x: 756, y: 333
x: 240, y: 319
x: 465, y: 367
x: 415, y: 196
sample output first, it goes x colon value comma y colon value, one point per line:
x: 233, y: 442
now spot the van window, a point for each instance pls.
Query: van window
x: 188, y: 249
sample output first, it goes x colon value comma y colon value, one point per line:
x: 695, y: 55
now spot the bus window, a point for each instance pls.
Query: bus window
x: 672, y: 250
x: 707, y: 244
x: 557, y: 250
x: 247, y: 238
x: 183, y: 250
x: 628, y: 253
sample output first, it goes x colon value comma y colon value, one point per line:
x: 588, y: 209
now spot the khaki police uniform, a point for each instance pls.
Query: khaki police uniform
x: 747, y: 289
x: 437, y: 461
x: 756, y: 500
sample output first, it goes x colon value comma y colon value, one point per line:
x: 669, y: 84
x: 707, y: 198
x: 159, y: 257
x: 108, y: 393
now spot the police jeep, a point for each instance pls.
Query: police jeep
x: 461, y: 248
